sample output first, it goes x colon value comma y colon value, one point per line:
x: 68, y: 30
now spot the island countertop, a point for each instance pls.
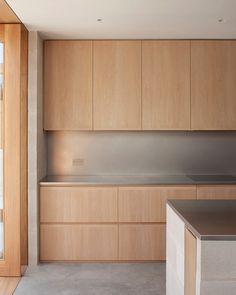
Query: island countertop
x: 208, y: 219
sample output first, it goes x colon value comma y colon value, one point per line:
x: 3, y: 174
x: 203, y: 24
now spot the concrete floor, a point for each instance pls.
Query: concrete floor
x: 93, y: 279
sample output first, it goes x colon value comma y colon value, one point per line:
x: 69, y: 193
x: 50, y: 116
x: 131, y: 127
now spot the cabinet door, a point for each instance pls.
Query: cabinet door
x: 213, y: 85
x: 142, y: 242
x: 78, y: 204
x: 68, y: 85
x: 166, y: 85
x: 117, y: 85
x: 148, y: 204
x: 78, y: 242
x: 216, y: 192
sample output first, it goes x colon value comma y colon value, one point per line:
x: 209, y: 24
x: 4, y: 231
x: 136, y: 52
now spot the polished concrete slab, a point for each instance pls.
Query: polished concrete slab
x: 93, y: 279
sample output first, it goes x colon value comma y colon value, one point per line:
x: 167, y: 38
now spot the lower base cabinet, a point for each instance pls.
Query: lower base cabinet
x: 78, y: 242
x: 102, y: 242
x: 106, y: 223
x: 142, y: 242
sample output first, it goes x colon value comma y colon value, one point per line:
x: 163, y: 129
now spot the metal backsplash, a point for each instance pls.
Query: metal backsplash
x: 121, y: 153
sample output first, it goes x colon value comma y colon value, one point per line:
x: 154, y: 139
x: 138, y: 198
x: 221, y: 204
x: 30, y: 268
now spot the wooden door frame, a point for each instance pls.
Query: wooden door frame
x: 15, y: 148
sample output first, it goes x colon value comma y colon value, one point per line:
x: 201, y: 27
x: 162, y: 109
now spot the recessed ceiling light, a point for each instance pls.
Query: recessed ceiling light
x: 99, y: 20
x: 221, y: 20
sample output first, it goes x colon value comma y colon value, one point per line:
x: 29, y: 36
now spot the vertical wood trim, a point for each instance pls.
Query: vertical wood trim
x: 190, y: 263
x: 12, y: 152
x: 15, y: 124
x: 1, y: 32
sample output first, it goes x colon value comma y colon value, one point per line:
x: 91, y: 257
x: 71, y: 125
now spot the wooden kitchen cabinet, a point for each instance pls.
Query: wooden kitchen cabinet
x: 148, y: 204
x: 68, y: 85
x: 117, y: 85
x: 142, y: 242
x: 78, y: 204
x: 166, y: 85
x: 213, y: 85
x: 216, y: 192
x: 140, y: 84
x: 78, y: 242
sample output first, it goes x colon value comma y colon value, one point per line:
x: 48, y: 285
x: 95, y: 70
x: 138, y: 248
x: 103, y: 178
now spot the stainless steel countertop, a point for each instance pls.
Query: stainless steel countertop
x: 211, y: 220
x: 136, y: 180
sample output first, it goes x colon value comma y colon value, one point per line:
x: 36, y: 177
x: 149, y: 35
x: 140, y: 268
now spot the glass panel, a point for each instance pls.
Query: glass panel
x: 1, y: 150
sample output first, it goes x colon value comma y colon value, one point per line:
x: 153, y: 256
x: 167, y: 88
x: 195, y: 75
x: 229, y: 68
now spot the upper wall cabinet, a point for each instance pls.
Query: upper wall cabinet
x: 213, y: 85
x: 117, y: 85
x: 166, y: 85
x: 68, y: 85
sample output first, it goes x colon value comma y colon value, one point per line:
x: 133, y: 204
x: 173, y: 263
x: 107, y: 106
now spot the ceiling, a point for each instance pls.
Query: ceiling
x: 75, y: 19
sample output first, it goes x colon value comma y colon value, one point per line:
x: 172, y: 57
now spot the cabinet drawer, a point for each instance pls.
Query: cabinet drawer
x: 216, y: 192
x: 148, y: 204
x: 78, y: 242
x: 78, y: 204
x: 142, y: 242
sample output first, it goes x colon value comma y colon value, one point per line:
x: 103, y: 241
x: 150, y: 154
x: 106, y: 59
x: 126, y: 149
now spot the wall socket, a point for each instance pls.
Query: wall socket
x: 78, y: 162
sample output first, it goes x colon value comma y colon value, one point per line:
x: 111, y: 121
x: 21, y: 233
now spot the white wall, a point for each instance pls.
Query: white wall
x: 36, y: 140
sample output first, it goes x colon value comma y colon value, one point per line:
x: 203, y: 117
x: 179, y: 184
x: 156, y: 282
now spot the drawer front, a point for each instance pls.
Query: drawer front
x: 78, y: 204
x: 78, y: 242
x: 148, y: 204
x: 216, y: 192
x: 142, y: 242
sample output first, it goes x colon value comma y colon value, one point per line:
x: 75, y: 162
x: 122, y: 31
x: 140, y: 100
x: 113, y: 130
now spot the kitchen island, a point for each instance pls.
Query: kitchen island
x: 201, y: 247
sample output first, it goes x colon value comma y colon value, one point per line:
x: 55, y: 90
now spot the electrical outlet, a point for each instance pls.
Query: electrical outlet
x: 78, y: 162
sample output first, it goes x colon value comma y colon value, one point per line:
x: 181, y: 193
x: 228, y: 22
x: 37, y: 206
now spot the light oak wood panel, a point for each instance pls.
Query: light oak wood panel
x: 166, y: 85
x: 1, y: 32
x: 117, y: 85
x: 78, y: 204
x: 216, y: 192
x: 148, y: 204
x: 8, y: 285
x: 13, y: 175
x: 78, y: 242
x: 190, y: 263
x: 142, y: 242
x: 213, y: 85
x: 7, y: 15
x: 68, y: 85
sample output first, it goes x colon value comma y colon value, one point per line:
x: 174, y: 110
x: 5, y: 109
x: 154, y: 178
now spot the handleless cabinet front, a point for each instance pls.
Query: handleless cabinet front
x: 117, y: 85
x: 213, y: 84
x: 78, y: 204
x: 166, y: 84
x: 148, y: 204
x: 78, y: 223
x: 68, y: 85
